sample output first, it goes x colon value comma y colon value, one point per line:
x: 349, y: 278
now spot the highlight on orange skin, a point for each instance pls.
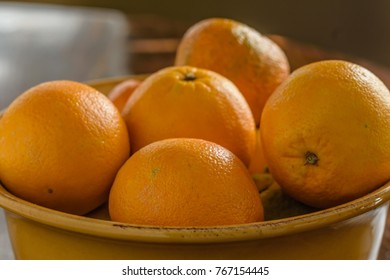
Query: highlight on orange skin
x: 62, y: 143
x: 326, y: 133
x: 190, y: 102
x: 253, y: 62
x: 184, y: 182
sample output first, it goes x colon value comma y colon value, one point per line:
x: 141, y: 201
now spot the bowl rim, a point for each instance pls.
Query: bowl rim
x: 217, y: 234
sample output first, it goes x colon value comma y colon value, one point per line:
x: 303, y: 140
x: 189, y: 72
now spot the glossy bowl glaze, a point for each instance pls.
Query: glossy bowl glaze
x: 350, y: 231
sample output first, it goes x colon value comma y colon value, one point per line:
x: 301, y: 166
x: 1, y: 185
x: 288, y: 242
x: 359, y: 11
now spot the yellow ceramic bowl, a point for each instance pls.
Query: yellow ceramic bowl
x: 350, y: 231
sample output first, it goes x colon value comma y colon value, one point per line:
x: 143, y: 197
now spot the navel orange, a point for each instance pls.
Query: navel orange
x: 184, y: 182
x: 326, y: 133
x: 190, y: 102
x: 61, y: 145
x: 250, y: 60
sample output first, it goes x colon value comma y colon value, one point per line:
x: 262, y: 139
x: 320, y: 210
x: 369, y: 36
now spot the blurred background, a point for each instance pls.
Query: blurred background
x: 360, y: 27
x: 96, y: 38
x: 92, y: 39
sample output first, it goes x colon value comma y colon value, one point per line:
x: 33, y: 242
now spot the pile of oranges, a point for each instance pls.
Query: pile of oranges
x: 182, y: 147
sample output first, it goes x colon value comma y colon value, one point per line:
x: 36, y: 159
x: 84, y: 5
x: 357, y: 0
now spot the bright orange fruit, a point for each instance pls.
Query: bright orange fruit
x: 250, y: 60
x: 184, y: 182
x: 326, y: 133
x: 61, y: 145
x: 190, y: 102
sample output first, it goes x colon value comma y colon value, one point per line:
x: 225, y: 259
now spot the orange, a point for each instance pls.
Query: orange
x: 193, y: 103
x: 258, y: 163
x: 61, y: 145
x: 184, y: 182
x: 250, y: 60
x: 326, y: 133
x: 122, y: 91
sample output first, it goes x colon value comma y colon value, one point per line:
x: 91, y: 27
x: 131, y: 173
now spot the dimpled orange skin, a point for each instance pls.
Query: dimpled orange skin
x: 194, y: 103
x: 61, y: 144
x: 253, y: 62
x: 326, y: 133
x: 184, y: 182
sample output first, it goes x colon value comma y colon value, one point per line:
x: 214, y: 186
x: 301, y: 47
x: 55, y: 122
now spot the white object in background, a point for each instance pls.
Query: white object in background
x: 46, y: 42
